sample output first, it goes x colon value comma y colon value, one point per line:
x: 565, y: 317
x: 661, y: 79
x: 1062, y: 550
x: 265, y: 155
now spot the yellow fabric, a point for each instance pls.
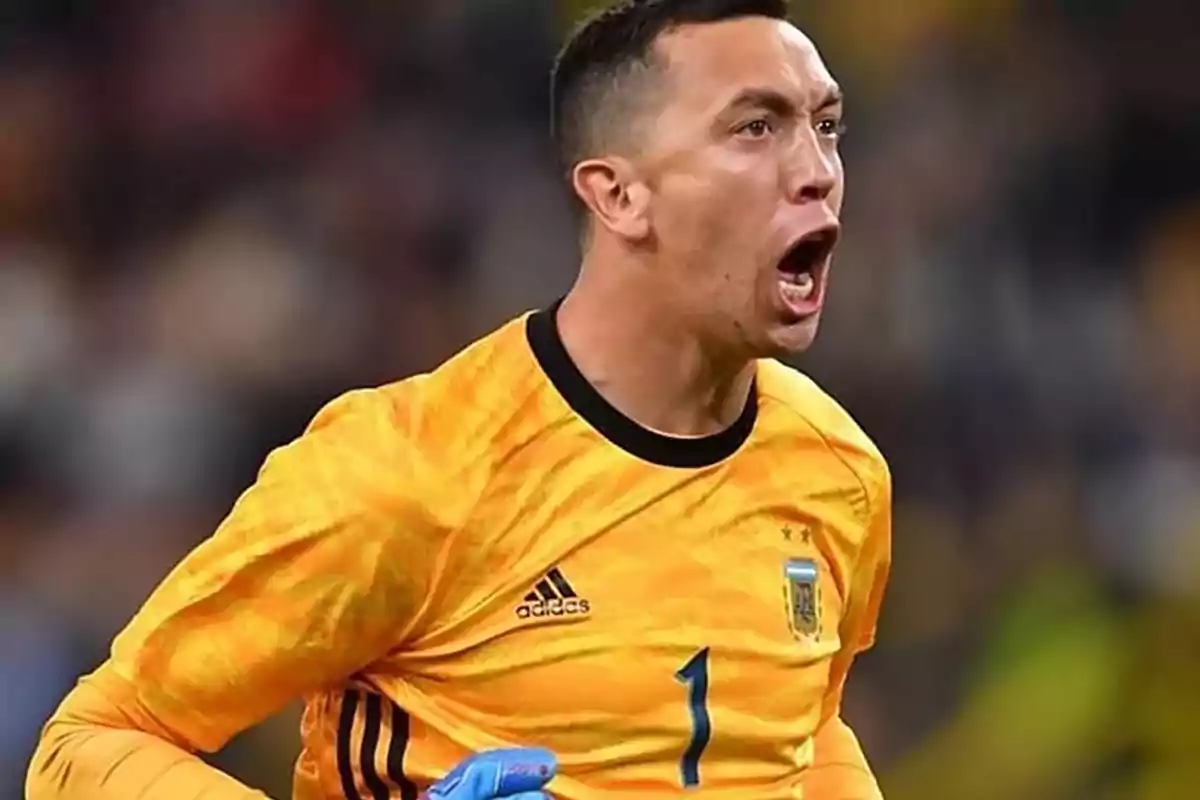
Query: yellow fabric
x: 387, y: 559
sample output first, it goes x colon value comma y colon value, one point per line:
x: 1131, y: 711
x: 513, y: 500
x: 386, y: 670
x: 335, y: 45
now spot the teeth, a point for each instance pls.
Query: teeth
x: 798, y: 288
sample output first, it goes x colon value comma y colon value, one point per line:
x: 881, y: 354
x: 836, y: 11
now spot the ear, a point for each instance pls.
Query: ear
x: 619, y: 201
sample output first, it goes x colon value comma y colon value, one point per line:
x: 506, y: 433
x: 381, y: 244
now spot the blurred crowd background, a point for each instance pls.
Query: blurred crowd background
x: 217, y: 214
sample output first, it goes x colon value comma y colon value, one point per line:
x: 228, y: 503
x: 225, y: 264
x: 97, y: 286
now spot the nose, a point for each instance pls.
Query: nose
x: 811, y: 172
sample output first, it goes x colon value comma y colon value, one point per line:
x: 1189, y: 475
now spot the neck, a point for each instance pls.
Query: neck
x: 646, y: 359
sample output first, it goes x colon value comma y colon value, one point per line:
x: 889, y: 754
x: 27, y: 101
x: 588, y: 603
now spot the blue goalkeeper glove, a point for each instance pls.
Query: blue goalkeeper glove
x: 518, y: 773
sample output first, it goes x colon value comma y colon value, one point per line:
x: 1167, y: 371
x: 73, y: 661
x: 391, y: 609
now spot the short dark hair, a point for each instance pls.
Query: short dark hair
x: 590, y: 83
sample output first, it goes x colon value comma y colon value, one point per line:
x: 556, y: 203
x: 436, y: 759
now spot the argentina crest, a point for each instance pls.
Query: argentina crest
x: 802, y: 585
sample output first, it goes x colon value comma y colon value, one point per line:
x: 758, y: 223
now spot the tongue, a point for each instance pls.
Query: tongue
x: 798, y: 288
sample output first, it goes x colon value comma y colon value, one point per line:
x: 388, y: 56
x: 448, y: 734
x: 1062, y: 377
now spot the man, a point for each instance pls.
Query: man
x: 615, y: 529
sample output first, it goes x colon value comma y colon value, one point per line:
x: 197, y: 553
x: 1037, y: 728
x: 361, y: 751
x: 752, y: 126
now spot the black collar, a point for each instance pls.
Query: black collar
x: 541, y: 330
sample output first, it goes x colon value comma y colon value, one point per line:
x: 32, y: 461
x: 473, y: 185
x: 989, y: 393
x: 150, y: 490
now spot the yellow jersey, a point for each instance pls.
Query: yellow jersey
x: 491, y: 555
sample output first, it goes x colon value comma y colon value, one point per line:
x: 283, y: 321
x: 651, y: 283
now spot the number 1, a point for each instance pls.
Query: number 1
x: 695, y: 675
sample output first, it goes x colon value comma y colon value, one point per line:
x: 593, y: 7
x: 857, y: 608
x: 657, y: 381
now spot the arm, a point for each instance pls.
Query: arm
x: 840, y: 770
x: 317, y: 571
x: 100, y: 744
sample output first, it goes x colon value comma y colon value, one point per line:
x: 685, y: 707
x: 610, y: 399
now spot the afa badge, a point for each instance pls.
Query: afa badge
x: 801, y: 579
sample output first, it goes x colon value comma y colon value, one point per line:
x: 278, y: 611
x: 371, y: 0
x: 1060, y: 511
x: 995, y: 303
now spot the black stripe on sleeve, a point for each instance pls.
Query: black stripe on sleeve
x: 396, y: 749
x: 560, y: 583
x: 370, y: 743
x: 345, y: 735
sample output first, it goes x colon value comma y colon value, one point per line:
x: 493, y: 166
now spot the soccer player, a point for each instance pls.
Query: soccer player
x: 616, y: 528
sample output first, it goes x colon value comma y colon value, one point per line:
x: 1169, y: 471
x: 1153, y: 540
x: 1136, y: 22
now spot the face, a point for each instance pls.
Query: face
x: 745, y: 182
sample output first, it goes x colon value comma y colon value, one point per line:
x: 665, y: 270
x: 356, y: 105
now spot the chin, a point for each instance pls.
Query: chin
x: 791, y: 339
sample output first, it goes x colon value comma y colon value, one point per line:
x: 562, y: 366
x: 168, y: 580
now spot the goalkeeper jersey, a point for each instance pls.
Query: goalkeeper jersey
x: 492, y: 555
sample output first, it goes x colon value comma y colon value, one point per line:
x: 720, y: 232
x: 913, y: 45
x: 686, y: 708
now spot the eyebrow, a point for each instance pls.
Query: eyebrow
x: 779, y: 103
x: 833, y: 96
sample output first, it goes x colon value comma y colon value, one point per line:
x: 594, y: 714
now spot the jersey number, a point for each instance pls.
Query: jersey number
x: 694, y: 674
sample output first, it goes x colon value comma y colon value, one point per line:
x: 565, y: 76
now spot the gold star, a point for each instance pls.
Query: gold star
x: 787, y: 533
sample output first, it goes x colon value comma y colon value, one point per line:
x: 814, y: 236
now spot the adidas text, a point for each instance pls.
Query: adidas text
x: 553, y: 608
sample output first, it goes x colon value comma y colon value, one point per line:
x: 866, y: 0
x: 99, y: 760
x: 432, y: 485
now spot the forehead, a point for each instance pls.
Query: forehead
x: 708, y: 61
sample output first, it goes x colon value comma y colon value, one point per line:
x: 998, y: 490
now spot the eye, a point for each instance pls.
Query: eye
x: 832, y: 128
x: 755, y: 128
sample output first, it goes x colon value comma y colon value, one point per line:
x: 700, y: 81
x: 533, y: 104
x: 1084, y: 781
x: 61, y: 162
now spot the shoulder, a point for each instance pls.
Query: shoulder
x: 398, y: 451
x: 446, y: 425
x: 467, y: 397
x: 476, y: 379
x: 795, y: 403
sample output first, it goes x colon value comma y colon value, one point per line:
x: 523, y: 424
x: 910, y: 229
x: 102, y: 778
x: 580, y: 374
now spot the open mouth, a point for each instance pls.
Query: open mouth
x: 802, y: 269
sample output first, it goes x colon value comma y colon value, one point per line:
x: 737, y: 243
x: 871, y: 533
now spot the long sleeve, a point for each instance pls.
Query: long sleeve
x: 99, y: 745
x: 840, y: 770
x: 320, y: 568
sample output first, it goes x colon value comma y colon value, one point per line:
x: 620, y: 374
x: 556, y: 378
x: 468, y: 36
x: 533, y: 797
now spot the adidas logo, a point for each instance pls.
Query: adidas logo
x: 552, y: 597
